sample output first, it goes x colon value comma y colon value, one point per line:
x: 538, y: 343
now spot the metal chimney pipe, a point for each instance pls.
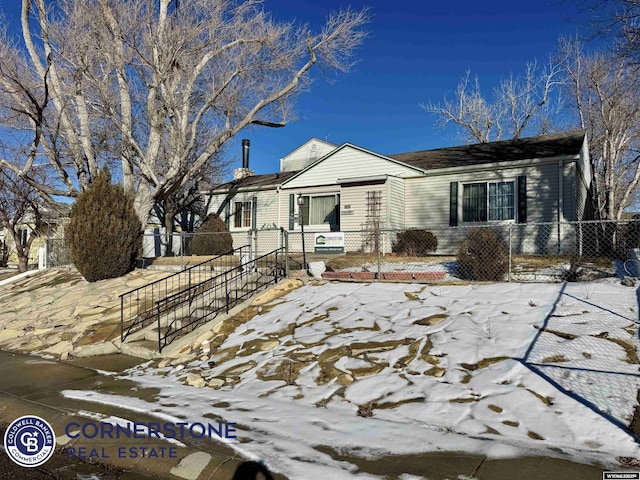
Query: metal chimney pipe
x: 245, y: 153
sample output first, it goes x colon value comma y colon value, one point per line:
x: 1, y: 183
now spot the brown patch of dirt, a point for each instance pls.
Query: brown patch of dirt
x: 495, y: 408
x: 327, y: 373
x: 436, y: 372
x: 492, y: 431
x: 375, y: 328
x: 100, y: 333
x: 464, y: 400
x: 546, y: 400
x: 411, y: 355
x: 510, y: 423
x: 226, y: 354
x: 485, y: 362
x: 285, y: 370
x: 566, y: 336
x: 535, y: 436
x: 629, y: 348
x: 424, y: 354
x: 255, y: 345
x: 555, y: 359
x: 432, y: 319
x: 388, y: 405
x: 369, y: 347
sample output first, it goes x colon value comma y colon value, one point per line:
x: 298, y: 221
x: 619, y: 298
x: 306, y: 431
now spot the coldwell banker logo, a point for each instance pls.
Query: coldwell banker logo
x: 29, y: 441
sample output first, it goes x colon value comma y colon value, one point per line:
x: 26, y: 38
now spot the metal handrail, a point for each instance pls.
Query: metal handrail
x: 144, y: 316
x: 251, y: 274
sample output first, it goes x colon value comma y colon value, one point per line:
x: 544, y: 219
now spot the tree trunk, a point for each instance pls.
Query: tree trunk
x: 23, y: 263
x: 169, y: 219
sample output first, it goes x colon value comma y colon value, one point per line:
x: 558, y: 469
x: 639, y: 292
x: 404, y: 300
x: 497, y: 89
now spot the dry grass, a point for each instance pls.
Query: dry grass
x: 358, y: 259
x: 536, y: 262
x: 566, y: 336
x: 485, y: 362
x: 629, y: 348
x: 555, y: 359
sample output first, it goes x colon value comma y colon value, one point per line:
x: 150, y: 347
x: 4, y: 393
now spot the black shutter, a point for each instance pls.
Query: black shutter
x: 227, y: 213
x: 292, y: 206
x: 453, y: 204
x: 522, y: 199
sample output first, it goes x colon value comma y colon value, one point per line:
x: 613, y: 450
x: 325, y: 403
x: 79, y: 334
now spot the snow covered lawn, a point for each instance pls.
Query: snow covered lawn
x: 379, y: 369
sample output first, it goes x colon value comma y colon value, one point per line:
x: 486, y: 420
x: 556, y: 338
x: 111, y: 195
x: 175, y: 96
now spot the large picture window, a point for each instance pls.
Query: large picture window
x: 488, y: 201
x: 321, y: 209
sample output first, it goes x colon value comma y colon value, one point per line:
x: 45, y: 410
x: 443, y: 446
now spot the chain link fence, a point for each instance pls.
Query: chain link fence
x: 531, y: 252
x: 57, y: 253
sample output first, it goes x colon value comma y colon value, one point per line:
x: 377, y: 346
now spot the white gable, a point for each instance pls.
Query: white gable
x: 348, y: 162
x: 305, y: 155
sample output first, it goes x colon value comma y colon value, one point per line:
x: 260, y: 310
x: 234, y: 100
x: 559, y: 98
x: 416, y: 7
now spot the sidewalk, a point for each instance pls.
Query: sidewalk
x: 31, y: 386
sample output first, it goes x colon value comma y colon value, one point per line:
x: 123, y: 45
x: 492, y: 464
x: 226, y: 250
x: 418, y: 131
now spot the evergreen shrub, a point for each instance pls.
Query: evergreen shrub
x: 212, y: 238
x: 415, y: 243
x: 104, y: 234
x: 483, y: 256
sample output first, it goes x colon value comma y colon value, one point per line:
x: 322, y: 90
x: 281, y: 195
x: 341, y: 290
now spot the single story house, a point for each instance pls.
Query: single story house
x: 348, y: 188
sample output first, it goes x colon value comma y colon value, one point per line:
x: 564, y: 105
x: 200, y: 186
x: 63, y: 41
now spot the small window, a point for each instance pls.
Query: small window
x: 242, y: 215
x: 24, y: 237
x: 488, y: 201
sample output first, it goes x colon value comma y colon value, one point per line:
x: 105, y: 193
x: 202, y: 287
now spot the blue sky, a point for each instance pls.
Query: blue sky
x: 416, y: 53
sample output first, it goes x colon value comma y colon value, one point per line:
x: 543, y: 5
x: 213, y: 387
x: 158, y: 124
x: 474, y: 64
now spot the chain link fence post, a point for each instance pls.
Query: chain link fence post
x: 182, y: 266
x: 510, y: 255
x: 379, y: 237
x: 285, y: 236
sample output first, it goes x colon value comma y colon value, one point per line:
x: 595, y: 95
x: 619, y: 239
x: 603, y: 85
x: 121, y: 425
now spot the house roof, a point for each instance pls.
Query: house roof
x: 554, y: 145
x: 267, y: 180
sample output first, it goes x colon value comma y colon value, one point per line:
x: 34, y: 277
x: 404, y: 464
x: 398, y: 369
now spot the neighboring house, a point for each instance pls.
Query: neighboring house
x: 349, y: 188
x: 53, y: 219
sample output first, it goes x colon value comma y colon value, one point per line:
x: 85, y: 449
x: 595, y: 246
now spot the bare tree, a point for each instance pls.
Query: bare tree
x: 605, y: 95
x: 20, y: 211
x: 161, y: 86
x: 519, y: 105
x: 614, y: 23
x: 188, y: 207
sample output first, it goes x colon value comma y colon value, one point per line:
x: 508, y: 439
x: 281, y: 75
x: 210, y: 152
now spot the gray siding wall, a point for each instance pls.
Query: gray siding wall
x: 267, y: 211
x: 395, y: 207
x: 427, y: 198
x: 355, y: 197
x: 305, y: 155
x: 569, y: 193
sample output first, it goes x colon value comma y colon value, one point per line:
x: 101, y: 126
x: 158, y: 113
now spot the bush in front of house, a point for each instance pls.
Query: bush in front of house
x: 415, y: 243
x: 104, y: 234
x: 483, y: 256
x: 212, y: 238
